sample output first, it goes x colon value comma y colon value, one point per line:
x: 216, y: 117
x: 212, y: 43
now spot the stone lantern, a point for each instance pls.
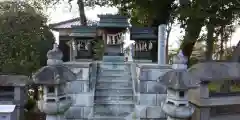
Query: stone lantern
x: 178, y: 81
x: 52, y: 80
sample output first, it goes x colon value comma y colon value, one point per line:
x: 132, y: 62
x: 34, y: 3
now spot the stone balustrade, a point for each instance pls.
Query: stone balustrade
x: 212, y: 105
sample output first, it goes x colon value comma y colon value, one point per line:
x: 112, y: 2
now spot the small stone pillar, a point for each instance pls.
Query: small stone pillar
x: 128, y: 39
x: 52, y: 79
x: 162, y: 44
x: 178, y: 81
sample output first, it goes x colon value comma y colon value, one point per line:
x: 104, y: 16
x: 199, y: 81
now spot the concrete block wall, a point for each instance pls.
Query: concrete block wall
x: 80, y: 92
x: 152, y: 93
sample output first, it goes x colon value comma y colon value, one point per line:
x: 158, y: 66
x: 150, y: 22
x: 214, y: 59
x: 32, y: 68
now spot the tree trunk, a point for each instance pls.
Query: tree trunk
x: 82, y: 15
x: 194, y: 26
x: 210, y: 41
x: 221, y: 44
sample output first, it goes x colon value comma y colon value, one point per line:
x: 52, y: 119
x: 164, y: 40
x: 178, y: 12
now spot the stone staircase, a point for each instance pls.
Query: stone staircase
x: 113, y: 93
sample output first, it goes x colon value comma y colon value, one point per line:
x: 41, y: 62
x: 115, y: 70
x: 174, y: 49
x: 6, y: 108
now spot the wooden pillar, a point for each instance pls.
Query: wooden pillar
x: 65, y: 48
x: 72, y: 51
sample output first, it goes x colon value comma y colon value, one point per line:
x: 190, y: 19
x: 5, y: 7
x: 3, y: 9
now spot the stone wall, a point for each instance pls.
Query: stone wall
x: 81, y: 90
x: 152, y: 93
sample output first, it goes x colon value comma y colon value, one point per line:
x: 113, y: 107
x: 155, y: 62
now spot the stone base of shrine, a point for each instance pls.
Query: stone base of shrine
x: 83, y: 60
x: 143, y: 61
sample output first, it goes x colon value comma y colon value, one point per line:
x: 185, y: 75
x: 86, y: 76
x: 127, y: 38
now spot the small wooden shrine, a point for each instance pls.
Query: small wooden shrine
x: 112, y: 29
x: 82, y: 37
x: 144, y: 38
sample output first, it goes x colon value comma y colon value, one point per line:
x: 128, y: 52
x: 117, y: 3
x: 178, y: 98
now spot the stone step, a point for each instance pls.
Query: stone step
x: 107, y: 118
x: 113, y: 58
x: 114, y: 62
x: 125, y: 78
x: 114, y: 73
x: 113, y: 100
x: 112, y: 85
x: 116, y: 92
x: 113, y: 66
x: 113, y: 110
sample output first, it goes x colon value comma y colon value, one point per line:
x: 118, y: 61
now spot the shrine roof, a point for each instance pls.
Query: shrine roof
x: 143, y: 33
x: 84, y: 31
x: 79, y: 28
x: 113, y: 21
x: 67, y: 24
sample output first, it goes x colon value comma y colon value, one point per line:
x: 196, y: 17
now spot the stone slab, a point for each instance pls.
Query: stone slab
x: 113, y: 66
x: 148, y: 99
x: 113, y: 58
x: 81, y: 70
x: 151, y: 71
x: 113, y: 109
x: 78, y: 86
x: 155, y: 112
x: 152, y: 99
x: 75, y: 113
x: 152, y: 87
x: 83, y: 99
x: 161, y: 98
x: 150, y: 112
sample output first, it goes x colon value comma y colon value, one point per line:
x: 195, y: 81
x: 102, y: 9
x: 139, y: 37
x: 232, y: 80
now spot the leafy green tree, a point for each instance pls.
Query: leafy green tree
x: 98, y: 49
x: 210, y: 13
x: 80, y: 3
x: 24, y: 38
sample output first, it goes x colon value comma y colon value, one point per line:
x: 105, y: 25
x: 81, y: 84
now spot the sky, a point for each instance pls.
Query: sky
x: 62, y: 12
